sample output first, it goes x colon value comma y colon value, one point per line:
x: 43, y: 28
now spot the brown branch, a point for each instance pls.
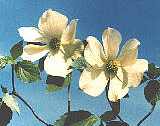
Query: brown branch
x: 146, y: 116
x: 106, y: 89
x: 24, y: 101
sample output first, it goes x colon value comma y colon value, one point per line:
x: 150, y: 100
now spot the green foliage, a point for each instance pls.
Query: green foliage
x: 107, y: 116
x: 117, y: 123
x: 152, y: 91
x: 80, y: 64
x: 153, y: 71
x: 111, y: 115
x: 5, y: 114
x: 17, y: 50
x: 4, y: 89
x: 27, y: 71
x: 77, y: 118
x: 54, y: 87
x: 4, y: 60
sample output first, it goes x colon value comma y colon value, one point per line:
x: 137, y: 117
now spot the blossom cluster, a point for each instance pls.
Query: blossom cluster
x: 56, y: 38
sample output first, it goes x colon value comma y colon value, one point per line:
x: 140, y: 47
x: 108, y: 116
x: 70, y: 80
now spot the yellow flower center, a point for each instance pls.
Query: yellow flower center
x: 54, y: 45
x: 111, y: 68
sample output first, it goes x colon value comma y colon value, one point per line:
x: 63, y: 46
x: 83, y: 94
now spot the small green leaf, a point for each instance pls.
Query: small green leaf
x: 107, y: 116
x: 117, y: 123
x: 4, y: 60
x: 80, y: 64
x: 17, y: 50
x: 152, y: 91
x: 41, y: 63
x: 153, y: 71
x: 77, y: 118
x: 4, y: 89
x: 5, y: 114
x: 55, y: 87
x: 27, y: 71
x: 145, y: 78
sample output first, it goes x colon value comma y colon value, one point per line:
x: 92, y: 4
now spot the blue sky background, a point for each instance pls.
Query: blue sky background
x: 134, y: 19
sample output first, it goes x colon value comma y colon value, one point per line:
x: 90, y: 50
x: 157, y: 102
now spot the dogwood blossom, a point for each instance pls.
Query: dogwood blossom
x: 55, y: 38
x: 123, y: 69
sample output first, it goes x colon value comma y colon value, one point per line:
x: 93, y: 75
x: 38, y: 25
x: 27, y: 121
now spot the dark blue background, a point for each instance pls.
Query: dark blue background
x: 134, y: 19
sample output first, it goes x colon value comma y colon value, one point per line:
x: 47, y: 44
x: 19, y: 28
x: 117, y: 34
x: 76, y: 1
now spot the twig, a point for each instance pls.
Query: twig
x: 37, y: 117
x: 106, y: 89
x: 69, y: 98
x: 13, y: 83
x: 146, y: 116
x: 18, y: 96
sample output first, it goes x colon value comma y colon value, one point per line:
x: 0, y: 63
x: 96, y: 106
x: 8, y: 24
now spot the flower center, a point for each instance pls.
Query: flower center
x: 54, y: 45
x: 111, y: 68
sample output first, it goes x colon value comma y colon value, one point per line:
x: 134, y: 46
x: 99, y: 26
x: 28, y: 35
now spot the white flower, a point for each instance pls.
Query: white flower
x: 55, y: 38
x: 122, y: 69
x: 10, y: 101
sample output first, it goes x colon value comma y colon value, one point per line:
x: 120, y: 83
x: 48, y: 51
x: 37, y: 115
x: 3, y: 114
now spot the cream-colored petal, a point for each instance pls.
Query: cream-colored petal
x: 93, y: 52
x: 116, y: 91
x: 93, y: 82
x: 30, y: 34
x: 141, y: 65
x: 56, y: 65
x: 52, y: 23
x: 135, y: 72
x: 34, y: 52
x: 10, y: 101
x: 111, y: 40
x: 129, y: 52
x: 69, y: 33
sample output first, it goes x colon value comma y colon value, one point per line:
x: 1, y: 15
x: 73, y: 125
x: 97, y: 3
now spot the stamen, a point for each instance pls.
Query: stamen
x: 111, y: 68
x: 54, y: 45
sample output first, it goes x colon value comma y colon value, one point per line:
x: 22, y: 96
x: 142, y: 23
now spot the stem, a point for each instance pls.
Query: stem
x: 13, y: 84
x: 18, y: 96
x: 147, y: 115
x: 69, y: 98
x: 106, y: 89
x: 37, y: 117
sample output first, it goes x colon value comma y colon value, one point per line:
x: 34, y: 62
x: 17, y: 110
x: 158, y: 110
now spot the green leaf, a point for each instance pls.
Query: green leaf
x: 107, y: 116
x: 4, y: 89
x: 5, y: 114
x: 117, y: 123
x: 77, y: 118
x: 17, y: 50
x: 55, y: 87
x: 27, y: 71
x: 111, y: 115
x: 145, y: 78
x: 4, y: 60
x: 80, y: 64
x: 153, y: 71
x: 152, y: 91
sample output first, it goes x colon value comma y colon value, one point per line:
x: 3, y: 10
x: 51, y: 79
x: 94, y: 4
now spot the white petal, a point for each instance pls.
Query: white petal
x: 116, y: 91
x: 34, y: 52
x: 135, y: 72
x: 56, y: 65
x: 93, y: 52
x: 69, y: 33
x: 93, y: 82
x: 111, y: 40
x: 11, y: 102
x: 129, y: 52
x: 52, y: 23
x: 29, y: 34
